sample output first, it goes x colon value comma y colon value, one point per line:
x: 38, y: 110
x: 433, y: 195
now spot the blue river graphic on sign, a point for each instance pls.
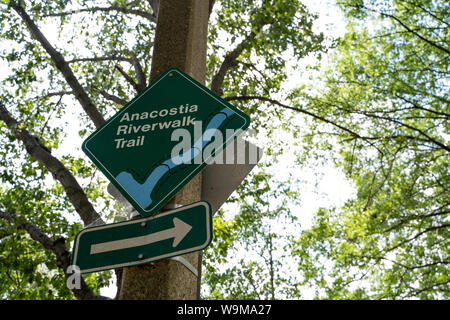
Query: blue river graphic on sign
x: 142, y: 192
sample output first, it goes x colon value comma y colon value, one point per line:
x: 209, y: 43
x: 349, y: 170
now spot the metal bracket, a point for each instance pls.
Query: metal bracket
x: 186, y: 263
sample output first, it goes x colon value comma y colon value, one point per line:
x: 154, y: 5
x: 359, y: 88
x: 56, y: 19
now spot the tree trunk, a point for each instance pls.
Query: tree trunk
x: 180, y: 41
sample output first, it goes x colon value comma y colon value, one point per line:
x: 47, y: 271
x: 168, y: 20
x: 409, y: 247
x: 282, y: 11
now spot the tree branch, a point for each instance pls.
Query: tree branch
x: 431, y: 264
x: 416, y: 292
x: 113, y: 98
x: 140, y: 75
x: 315, y: 116
x: 415, y: 217
x: 62, y: 65
x: 416, y: 106
x: 143, y: 14
x: 373, y: 115
x: 38, y: 151
x: 230, y: 60
x: 141, y: 79
x: 52, y: 94
x: 417, y: 236
x: 155, y: 7
x: 128, y: 78
x: 421, y: 132
x: 211, y: 6
x: 61, y: 252
x: 228, y: 63
x: 428, y: 12
x: 418, y: 35
x: 99, y: 59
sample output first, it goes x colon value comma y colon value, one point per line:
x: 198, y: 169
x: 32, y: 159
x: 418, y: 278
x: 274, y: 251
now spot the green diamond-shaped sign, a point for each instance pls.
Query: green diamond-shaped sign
x: 162, y: 138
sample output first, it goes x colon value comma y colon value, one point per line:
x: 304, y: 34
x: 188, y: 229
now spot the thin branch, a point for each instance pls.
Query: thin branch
x: 228, y: 63
x: 315, y: 116
x: 210, y: 7
x: 133, y: 60
x: 373, y: 115
x: 155, y: 7
x: 113, y: 98
x: 128, y: 78
x: 85, y: 101
x: 254, y: 69
x: 143, y: 14
x: 230, y: 60
x: 61, y: 252
x: 416, y: 292
x: 52, y: 94
x: 415, y: 217
x: 428, y: 12
x: 38, y: 151
x: 99, y: 59
x: 416, y: 106
x: 140, y: 75
x: 419, y: 266
x: 44, y: 127
x: 430, y: 139
x: 393, y: 137
x: 399, y: 96
x: 432, y: 43
x: 417, y: 236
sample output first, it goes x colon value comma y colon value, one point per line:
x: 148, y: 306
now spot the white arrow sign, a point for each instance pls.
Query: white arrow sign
x: 178, y: 232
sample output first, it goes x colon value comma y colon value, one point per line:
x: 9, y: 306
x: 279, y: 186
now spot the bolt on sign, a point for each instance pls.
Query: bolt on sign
x: 162, y: 138
x: 140, y: 241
